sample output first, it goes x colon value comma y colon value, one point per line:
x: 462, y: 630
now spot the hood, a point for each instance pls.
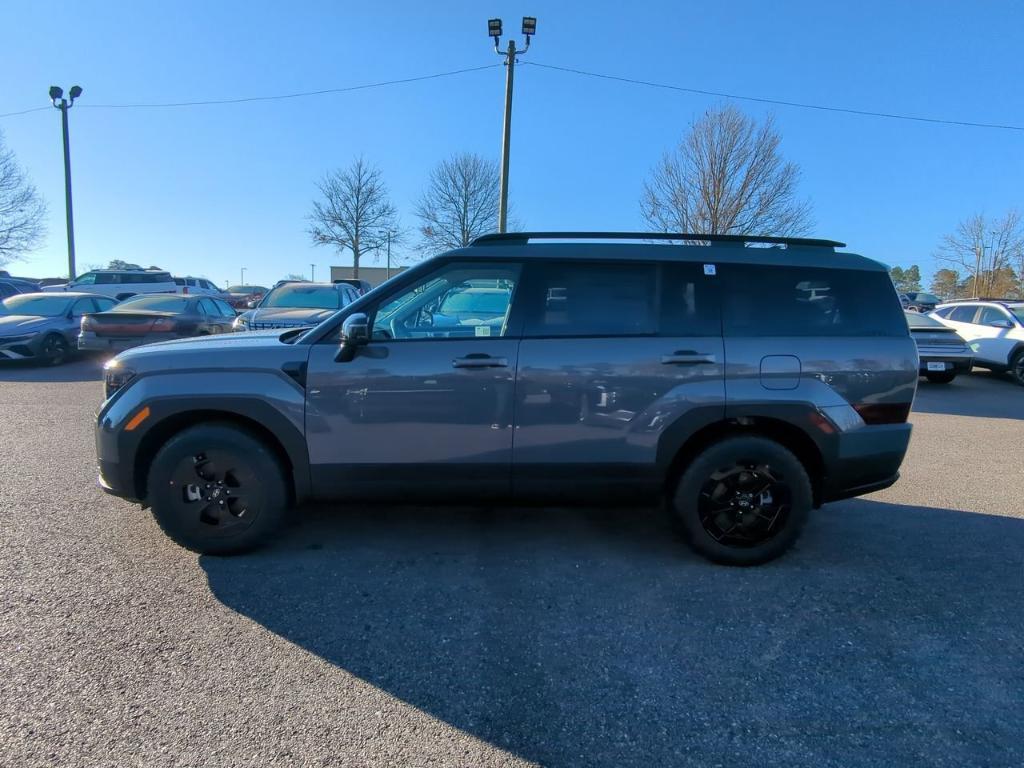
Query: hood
x: 12, y: 325
x: 255, y: 349
x: 287, y: 316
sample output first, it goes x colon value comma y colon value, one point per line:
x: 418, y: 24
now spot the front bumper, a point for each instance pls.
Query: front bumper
x: 23, y: 347
x: 866, y: 460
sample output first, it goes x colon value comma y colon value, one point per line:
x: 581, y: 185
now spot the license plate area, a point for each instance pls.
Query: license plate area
x: 936, y: 366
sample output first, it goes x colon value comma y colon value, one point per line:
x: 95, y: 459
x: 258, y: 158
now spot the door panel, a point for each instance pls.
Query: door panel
x: 412, y: 418
x: 425, y: 409
x: 598, y: 408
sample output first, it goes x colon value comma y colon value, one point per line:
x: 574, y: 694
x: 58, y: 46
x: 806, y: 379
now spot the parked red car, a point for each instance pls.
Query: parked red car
x: 239, y: 296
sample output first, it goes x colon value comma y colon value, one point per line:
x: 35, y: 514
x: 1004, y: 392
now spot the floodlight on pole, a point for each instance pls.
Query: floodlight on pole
x: 494, y: 31
x: 59, y: 102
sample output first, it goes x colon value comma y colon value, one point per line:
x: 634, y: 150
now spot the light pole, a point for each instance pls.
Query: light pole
x: 59, y: 102
x: 242, y: 281
x: 312, y: 272
x: 494, y: 30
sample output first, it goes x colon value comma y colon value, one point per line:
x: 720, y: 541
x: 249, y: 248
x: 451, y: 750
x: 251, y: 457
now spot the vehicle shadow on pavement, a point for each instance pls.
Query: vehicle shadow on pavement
x: 79, y: 369
x: 982, y: 393
x: 890, y: 636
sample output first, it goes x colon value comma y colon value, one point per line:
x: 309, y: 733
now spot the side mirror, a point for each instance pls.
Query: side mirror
x: 355, y: 333
x: 251, y: 304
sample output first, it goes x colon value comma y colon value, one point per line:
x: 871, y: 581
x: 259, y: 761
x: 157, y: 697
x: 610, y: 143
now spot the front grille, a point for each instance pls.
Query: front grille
x: 269, y: 326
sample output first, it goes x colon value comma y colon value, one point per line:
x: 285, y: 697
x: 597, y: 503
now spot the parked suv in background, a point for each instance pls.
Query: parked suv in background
x: 294, y: 304
x: 745, y: 385
x: 921, y: 302
x: 198, y: 286
x: 119, y: 283
x: 994, y: 330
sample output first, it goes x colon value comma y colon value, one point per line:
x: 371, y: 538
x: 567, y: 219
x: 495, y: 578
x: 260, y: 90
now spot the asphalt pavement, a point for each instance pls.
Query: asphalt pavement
x: 892, y: 635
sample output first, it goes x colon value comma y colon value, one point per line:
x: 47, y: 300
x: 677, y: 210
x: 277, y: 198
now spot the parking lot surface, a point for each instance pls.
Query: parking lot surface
x: 892, y: 634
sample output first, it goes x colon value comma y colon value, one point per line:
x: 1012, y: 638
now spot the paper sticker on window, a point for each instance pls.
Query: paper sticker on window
x: 483, y: 330
x: 709, y: 269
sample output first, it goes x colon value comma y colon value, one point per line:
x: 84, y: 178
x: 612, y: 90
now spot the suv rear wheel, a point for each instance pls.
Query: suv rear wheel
x: 743, y: 501
x: 1017, y: 367
x: 216, y: 489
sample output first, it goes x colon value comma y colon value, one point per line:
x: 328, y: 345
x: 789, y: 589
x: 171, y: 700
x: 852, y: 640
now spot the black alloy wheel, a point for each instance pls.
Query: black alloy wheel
x: 55, y: 349
x: 744, y: 505
x: 217, y: 489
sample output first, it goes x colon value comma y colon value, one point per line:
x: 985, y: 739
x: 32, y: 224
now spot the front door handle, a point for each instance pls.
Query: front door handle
x: 687, y: 357
x: 480, y: 360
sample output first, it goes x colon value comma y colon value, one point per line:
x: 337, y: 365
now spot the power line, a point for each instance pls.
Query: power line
x: 277, y: 97
x: 25, y: 111
x: 780, y: 102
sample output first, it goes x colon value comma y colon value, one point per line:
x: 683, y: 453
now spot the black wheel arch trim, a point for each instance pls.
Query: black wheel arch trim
x: 170, y: 415
x: 791, y: 424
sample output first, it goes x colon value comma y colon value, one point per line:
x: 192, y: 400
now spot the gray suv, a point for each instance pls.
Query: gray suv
x: 743, y: 385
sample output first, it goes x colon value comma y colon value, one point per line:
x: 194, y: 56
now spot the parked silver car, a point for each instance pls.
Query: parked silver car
x: 45, y: 326
x: 942, y: 351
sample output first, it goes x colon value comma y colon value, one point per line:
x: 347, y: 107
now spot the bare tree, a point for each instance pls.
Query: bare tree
x: 460, y: 202
x: 986, y: 249
x: 727, y: 176
x: 356, y: 212
x: 22, y: 211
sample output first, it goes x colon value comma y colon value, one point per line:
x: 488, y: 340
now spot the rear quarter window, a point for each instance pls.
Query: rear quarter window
x: 809, y: 301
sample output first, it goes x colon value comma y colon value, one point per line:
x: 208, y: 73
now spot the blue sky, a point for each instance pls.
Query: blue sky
x: 208, y: 190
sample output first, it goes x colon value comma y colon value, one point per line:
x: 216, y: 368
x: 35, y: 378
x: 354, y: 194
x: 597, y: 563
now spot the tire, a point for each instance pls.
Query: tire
x: 1017, y: 367
x: 941, y: 378
x: 217, y: 490
x: 726, y: 518
x: 54, y: 349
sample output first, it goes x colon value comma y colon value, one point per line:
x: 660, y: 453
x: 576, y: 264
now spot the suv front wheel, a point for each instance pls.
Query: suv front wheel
x: 216, y: 489
x: 743, y: 501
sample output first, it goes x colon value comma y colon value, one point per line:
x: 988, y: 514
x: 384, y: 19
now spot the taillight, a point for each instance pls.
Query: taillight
x: 883, y: 413
x: 163, y: 325
x: 87, y: 323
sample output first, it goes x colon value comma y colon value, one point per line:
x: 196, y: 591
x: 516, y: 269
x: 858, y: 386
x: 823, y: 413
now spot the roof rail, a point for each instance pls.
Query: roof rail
x: 1003, y: 300
x: 518, y: 238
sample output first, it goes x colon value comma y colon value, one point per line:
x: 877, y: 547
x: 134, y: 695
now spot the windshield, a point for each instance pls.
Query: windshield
x: 35, y: 304
x: 485, y: 301
x: 152, y: 303
x: 917, y: 320
x: 1017, y: 312
x: 300, y: 296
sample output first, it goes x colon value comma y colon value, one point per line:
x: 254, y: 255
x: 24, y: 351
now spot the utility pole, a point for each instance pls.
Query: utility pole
x: 494, y: 30
x: 242, y: 281
x: 59, y: 102
x: 387, y: 273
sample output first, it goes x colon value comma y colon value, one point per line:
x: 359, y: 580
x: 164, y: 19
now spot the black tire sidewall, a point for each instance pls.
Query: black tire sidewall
x: 62, y: 342
x: 726, y: 453
x: 1017, y: 367
x: 265, y: 465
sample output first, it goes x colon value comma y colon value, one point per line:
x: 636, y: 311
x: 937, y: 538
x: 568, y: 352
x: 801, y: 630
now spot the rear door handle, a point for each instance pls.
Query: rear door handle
x: 687, y: 357
x: 480, y: 360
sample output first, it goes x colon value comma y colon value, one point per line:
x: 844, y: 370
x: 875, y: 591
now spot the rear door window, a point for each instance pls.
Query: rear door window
x: 765, y: 300
x: 964, y: 314
x: 689, y: 302
x: 592, y: 299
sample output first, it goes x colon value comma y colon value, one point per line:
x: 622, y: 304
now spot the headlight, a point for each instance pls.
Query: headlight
x: 115, y: 377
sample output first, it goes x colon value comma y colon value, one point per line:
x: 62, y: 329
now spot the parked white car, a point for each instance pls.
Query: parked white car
x: 118, y: 283
x: 197, y: 286
x: 993, y: 329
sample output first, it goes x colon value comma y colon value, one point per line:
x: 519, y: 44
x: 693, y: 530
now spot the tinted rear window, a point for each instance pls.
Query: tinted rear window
x: 592, y: 299
x: 809, y: 301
